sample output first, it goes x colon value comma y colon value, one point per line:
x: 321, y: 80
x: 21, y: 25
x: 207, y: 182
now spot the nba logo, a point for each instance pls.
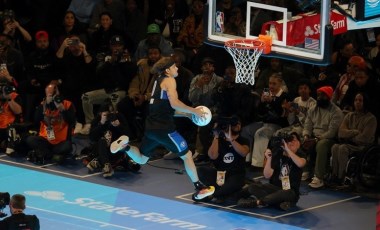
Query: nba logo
x: 219, y: 22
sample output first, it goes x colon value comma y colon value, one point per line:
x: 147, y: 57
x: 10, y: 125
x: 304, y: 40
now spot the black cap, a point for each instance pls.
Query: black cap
x: 208, y: 60
x: 117, y: 40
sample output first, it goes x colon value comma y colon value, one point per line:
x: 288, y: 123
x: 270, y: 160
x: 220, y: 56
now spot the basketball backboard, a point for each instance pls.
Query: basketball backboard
x: 308, y: 26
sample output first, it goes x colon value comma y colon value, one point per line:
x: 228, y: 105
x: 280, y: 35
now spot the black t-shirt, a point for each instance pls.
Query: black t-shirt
x: 229, y: 160
x: 284, y: 166
x: 20, y: 222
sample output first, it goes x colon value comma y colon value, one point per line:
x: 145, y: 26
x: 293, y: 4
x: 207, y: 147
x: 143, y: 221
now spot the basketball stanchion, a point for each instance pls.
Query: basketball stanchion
x: 246, y: 53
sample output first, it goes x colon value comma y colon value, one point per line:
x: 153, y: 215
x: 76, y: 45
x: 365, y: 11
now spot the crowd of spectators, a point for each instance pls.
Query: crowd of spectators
x: 91, y: 51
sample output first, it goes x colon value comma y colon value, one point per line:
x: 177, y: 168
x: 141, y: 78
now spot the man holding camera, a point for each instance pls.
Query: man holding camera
x: 56, y: 118
x: 283, y: 168
x: 227, y: 152
x: 10, y: 110
x: 106, y: 128
x: 18, y: 219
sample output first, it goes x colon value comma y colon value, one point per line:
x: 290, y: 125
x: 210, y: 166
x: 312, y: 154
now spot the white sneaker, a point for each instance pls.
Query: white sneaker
x: 119, y: 144
x: 170, y: 156
x: 86, y: 129
x: 305, y: 176
x: 9, y: 151
x: 316, y: 183
x: 78, y: 128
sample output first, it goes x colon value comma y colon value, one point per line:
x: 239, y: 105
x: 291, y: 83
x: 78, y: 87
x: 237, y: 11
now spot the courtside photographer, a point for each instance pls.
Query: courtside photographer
x: 227, y: 152
x: 18, y: 219
x: 283, y: 168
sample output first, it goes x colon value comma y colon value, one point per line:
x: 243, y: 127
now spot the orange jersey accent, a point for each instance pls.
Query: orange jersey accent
x: 59, y: 125
x: 7, y: 116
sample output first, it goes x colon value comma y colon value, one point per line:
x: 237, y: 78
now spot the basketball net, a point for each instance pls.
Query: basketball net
x: 245, y: 53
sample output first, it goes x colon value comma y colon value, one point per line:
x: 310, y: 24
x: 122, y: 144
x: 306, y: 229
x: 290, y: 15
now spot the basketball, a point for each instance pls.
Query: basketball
x: 205, y: 120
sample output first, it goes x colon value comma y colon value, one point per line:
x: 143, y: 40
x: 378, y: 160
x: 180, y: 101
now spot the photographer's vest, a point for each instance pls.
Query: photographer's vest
x: 6, y: 114
x: 54, y: 119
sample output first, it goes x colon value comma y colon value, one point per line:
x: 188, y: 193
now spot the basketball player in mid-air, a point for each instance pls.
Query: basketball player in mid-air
x: 160, y: 128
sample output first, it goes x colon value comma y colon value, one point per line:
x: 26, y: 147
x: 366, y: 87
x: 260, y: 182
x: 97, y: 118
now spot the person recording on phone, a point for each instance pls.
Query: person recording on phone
x: 56, y: 118
x: 18, y: 219
x: 227, y: 152
x: 297, y: 109
x: 283, y: 168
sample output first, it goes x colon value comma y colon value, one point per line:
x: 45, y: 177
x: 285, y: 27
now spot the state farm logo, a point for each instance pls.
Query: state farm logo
x: 122, y: 211
x: 373, y: 3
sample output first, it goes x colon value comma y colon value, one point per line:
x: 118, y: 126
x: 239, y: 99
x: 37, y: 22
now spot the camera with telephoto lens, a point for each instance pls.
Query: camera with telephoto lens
x: 7, y: 89
x: 112, y: 117
x: 4, y: 201
x: 223, y: 123
x: 57, y: 99
x: 276, y: 145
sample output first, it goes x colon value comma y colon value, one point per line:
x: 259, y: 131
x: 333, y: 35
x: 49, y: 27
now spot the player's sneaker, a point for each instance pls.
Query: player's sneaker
x: 119, y: 144
x: 203, y: 193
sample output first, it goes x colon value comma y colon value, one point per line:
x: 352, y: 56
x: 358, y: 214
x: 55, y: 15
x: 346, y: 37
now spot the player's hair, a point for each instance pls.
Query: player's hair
x: 162, y: 64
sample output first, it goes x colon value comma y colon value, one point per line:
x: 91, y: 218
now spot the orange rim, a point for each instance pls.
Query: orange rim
x: 245, y: 44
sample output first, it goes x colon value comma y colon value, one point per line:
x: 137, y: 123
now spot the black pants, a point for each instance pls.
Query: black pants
x: 270, y: 194
x: 48, y: 149
x: 104, y: 155
x: 233, y: 181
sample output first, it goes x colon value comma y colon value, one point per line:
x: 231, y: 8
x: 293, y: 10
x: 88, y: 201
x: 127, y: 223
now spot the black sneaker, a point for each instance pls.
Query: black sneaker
x: 249, y: 202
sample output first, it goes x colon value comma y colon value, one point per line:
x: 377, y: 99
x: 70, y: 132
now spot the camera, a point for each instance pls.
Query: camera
x: 73, y: 42
x: 57, y: 99
x: 7, y: 89
x: 112, y: 117
x: 276, y: 145
x: 4, y: 201
x: 224, y: 122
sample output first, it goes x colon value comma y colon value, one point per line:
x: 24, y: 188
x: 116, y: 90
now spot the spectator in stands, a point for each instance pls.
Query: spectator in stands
x: 200, y: 93
x: 363, y: 82
x: 69, y: 27
x: 107, y: 126
x: 170, y: 20
x: 19, y: 35
x: 356, y: 132
x: 320, y: 132
x: 12, y: 63
x: 227, y: 176
x: 354, y: 63
x: 99, y: 41
x: 191, y: 36
x: 134, y: 105
x: 117, y: 10
x: 56, y: 118
x: 114, y: 74
x: 283, y: 168
x: 10, y: 112
x: 323, y: 76
x: 340, y: 58
x: 154, y: 38
x: 76, y: 68
x: 236, y: 23
x: 273, y: 116
x: 297, y: 109
x: 18, y: 219
x: 41, y: 70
